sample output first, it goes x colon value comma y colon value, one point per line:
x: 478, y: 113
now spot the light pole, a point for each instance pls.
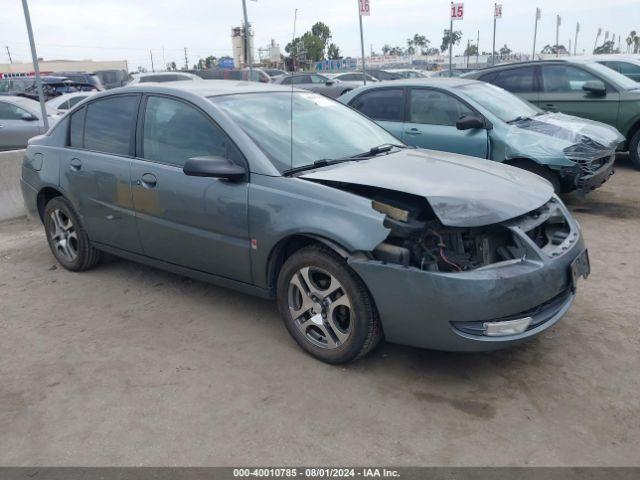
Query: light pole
x: 558, y: 21
x: 36, y: 67
x: 595, y: 44
x: 451, y: 44
x: 535, y: 33
x: 363, y: 9
x: 477, y: 48
x: 575, y: 43
x: 247, y: 53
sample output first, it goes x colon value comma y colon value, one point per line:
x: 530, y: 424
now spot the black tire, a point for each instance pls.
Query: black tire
x: 542, y: 171
x: 86, y: 256
x: 363, y: 324
x: 634, y: 150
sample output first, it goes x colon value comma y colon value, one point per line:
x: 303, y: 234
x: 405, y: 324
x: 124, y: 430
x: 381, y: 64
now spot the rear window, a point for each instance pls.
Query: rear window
x: 516, y: 80
x: 76, y: 129
x: 109, y: 124
x: 386, y: 104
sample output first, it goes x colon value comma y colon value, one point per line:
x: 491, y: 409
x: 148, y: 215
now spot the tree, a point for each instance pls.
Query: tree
x: 410, y: 48
x: 505, y: 51
x: 396, y: 51
x: 333, y: 52
x: 471, y: 50
x: 321, y: 31
x: 210, y: 61
x: 172, y: 67
x: 633, y: 41
x: 553, y: 49
x: 386, y: 48
x: 313, y: 44
x: 452, y: 38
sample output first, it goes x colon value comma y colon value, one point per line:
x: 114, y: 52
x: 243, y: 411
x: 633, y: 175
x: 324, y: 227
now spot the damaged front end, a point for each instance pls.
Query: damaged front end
x: 478, y: 288
x: 583, y: 151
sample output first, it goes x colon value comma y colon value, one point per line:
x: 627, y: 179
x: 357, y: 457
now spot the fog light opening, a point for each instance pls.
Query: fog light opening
x: 508, y: 327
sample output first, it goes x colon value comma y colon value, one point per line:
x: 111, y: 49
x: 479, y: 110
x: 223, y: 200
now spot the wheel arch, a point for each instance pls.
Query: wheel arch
x: 288, y: 246
x: 45, y: 195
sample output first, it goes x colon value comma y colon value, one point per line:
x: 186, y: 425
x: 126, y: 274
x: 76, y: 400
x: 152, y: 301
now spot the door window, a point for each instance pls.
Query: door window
x: 435, y: 108
x: 73, y: 101
x: 517, y: 80
x: 300, y: 79
x: 564, y: 78
x: 76, y: 128
x: 109, y: 124
x: 317, y: 79
x: 175, y: 132
x: 9, y: 111
x: 385, y: 104
x: 64, y: 105
x: 350, y: 77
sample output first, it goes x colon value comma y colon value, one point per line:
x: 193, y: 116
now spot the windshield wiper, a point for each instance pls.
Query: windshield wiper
x: 323, y: 162
x: 384, y: 148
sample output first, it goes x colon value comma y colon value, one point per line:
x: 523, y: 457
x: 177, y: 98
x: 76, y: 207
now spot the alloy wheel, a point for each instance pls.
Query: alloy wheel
x: 63, y: 235
x: 320, y: 307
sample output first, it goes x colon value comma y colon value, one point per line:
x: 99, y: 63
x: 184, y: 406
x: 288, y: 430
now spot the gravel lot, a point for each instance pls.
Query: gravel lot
x: 127, y: 365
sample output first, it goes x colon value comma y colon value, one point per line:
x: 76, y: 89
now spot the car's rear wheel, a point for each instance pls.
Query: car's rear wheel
x: 67, y: 238
x: 634, y: 150
x: 326, y: 307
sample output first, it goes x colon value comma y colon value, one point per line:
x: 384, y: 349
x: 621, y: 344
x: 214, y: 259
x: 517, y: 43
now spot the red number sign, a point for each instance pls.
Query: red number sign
x: 364, y: 8
x: 457, y: 11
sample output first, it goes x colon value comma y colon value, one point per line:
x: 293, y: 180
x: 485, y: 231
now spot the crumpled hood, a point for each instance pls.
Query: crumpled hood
x: 462, y: 191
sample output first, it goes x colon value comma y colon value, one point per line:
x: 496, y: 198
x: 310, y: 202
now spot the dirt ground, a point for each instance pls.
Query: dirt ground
x: 127, y: 365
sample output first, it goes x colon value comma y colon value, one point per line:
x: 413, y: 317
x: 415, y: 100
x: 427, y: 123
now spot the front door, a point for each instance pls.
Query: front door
x: 15, y: 128
x: 194, y: 222
x: 385, y: 106
x: 562, y: 92
x: 95, y: 169
x: 431, y: 123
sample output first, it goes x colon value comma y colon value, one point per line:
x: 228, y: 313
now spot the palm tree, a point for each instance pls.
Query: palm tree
x: 632, y: 40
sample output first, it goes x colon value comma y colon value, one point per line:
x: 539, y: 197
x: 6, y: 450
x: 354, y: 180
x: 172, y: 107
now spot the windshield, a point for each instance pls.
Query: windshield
x: 317, y: 128
x: 613, y: 76
x: 504, y: 105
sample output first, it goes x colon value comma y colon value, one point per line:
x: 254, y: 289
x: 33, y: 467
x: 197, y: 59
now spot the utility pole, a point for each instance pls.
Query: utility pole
x: 247, y: 50
x: 477, y: 48
x: 9, y: 53
x: 575, y: 44
x: 495, y: 18
x: 451, y: 44
x: 36, y: 66
x: 558, y: 21
x: 152, y: 66
x: 186, y: 59
x: 294, y: 48
x: 362, y: 11
x: 164, y: 61
x: 595, y: 44
x: 535, y: 32
x: 468, y: 52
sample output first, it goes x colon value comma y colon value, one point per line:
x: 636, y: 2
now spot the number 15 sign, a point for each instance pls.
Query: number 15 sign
x: 457, y: 11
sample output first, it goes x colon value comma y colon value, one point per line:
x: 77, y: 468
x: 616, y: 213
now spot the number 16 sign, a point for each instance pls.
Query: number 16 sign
x: 457, y: 11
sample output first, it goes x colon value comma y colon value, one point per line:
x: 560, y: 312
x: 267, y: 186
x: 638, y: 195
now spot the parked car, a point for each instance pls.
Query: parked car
x: 51, y: 87
x: 577, y: 87
x: 455, y: 72
x: 628, y: 66
x: 408, y: 72
x: 474, y: 118
x: 353, y: 78
x: 244, y: 74
x: 64, y: 102
x: 355, y: 234
x: 113, y: 78
x: 317, y: 83
x: 162, y: 77
x: 91, y: 80
x: 274, y: 72
x: 20, y: 120
x: 383, y: 75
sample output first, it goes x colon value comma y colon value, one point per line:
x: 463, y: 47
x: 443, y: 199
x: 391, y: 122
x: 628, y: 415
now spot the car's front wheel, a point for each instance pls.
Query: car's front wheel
x: 634, y: 150
x: 326, y: 307
x: 67, y: 238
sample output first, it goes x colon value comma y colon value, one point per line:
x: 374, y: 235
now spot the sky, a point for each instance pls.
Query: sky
x: 130, y: 29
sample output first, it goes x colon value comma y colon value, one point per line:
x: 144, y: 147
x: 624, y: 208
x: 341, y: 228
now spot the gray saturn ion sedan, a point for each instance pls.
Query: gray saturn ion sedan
x: 290, y: 195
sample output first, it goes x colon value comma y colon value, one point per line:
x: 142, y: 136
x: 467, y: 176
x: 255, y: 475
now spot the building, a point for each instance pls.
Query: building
x: 237, y: 43
x: 50, y: 66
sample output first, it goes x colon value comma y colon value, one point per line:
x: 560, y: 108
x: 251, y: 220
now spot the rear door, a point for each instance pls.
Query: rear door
x: 562, y: 92
x: 195, y: 222
x: 431, y: 123
x: 385, y: 106
x: 95, y: 169
x: 15, y: 131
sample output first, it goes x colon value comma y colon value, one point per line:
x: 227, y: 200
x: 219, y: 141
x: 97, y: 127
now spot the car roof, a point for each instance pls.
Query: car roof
x: 208, y: 88
x: 613, y: 57
x: 21, y: 101
x: 442, y: 82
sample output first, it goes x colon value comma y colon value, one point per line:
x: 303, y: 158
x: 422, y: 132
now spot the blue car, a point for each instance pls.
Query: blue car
x: 481, y: 120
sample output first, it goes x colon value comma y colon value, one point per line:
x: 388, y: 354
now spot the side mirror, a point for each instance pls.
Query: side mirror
x: 28, y: 117
x: 470, y: 122
x: 596, y: 87
x: 214, y: 167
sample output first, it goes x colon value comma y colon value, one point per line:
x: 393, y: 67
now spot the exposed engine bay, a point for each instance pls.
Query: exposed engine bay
x: 419, y: 240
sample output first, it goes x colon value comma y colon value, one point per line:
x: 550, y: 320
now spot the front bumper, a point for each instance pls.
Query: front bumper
x: 435, y: 310
x: 585, y: 179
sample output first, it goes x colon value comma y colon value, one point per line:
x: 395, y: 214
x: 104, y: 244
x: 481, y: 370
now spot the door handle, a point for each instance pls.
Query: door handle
x: 551, y: 107
x: 413, y: 131
x: 149, y: 180
x: 75, y: 164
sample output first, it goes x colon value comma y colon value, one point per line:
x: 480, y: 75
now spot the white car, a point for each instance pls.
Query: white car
x: 64, y: 102
x: 162, y: 77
